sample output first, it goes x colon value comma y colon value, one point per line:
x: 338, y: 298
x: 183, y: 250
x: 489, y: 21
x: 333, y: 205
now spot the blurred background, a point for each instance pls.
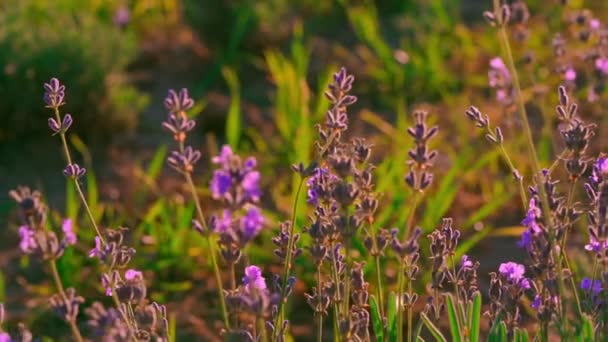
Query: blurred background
x: 257, y: 71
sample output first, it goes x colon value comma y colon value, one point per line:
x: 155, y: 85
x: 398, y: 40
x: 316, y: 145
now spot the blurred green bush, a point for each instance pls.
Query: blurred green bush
x: 77, y: 43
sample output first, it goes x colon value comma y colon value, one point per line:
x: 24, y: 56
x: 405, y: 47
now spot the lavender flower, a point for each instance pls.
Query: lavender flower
x: 54, y: 93
x: 178, y: 103
x: 70, y: 237
x: 253, y: 279
x: 252, y: 222
x: 592, y: 286
x: 236, y: 182
x: 601, y: 64
x: 28, y: 243
x: 514, y: 272
x: 499, y: 78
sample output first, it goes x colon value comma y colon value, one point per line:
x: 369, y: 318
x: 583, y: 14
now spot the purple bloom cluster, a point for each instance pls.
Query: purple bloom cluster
x: 235, y: 182
x: 499, y: 78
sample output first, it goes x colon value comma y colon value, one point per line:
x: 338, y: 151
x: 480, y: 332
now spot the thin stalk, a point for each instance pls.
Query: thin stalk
x: 320, y: 314
x: 59, y: 285
x: 532, y: 151
x: 410, y: 314
x: 289, y: 256
x: 212, y: 248
x: 347, y: 244
x: 232, y: 277
x: 400, y: 276
x: 68, y: 157
x: 124, y: 316
x: 379, y: 288
x: 522, y: 191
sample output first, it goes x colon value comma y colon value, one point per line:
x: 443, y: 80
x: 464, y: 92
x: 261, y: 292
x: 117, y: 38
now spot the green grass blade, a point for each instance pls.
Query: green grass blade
x: 392, y: 317
x: 432, y: 328
x: 455, y: 324
x: 475, y: 318
x: 377, y: 322
x: 233, y: 121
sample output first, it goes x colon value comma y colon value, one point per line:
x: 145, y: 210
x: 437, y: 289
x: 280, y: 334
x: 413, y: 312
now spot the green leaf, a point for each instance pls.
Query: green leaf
x: 587, y: 332
x: 157, y: 162
x: 392, y: 317
x: 376, y: 319
x: 475, y: 318
x: 233, y: 122
x: 432, y: 328
x: 455, y: 324
x: 498, y: 333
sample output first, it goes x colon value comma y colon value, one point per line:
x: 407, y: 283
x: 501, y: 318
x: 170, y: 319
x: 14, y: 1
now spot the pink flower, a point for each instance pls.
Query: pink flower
x: 594, y: 24
x: 96, y: 252
x: 570, y: 74
x: 253, y: 279
x: 70, y: 237
x: 28, y: 243
x: 132, y: 274
x: 601, y: 64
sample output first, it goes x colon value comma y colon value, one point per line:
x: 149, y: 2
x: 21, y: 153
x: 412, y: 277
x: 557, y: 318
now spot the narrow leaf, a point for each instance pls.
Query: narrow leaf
x: 475, y: 318
x: 376, y: 319
x: 392, y: 317
x: 432, y: 328
x: 455, y: 324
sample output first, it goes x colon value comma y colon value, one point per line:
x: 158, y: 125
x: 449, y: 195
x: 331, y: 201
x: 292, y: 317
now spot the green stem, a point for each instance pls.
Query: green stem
x: 400, y: 276
x: 68, y: 157
x: 288, y: 257
x: 379, y: 288
x: 212, y: 249
x: 320, y: 314
x: 533, y: 156
x: 59, y: 285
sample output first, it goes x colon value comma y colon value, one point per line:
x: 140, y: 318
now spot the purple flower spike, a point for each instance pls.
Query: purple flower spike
x: 54, y: 126
x: 253, y: 222
x: 131, y: 275
x: 593, y: 286
x: 570, y: 74
x: 178, y: 102
x: 253, y: 279
x: 465, y: 262
x: 97, y: 251
x: 514, y: 272
x: 28, y: 243
x: 601, y: 64
x: 70, y: 237
x: 220, y: 184
x: 54, y: 92
x: 74, y: 171
x: 224, y: 158
x: 5, y: 337
x: 251, y: 186
x: 122, y: 16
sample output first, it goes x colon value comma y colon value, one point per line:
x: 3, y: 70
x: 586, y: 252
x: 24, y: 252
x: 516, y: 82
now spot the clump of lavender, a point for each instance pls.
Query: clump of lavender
x: 142, y: 319
x: 42, y: 243
x: 236, y: 184
x: 253, y: 302
x: 341, y: 189
x: 24, y: 334
x: 183, y: 161
x: 507, y: 287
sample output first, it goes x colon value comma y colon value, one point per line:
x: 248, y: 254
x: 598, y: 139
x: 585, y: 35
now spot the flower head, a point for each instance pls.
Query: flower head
x: 253, y: 279
x: 54, y: 92
x: 252, y: 222
x: 178, y: 102
x: 97, y: 251
x: 132, y: 274
x: 514, y: 272
x: 28, y: 242
x: 70, y: 237
x: 570, y: 74
x: 593, y: 286
x: 601, y: 64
